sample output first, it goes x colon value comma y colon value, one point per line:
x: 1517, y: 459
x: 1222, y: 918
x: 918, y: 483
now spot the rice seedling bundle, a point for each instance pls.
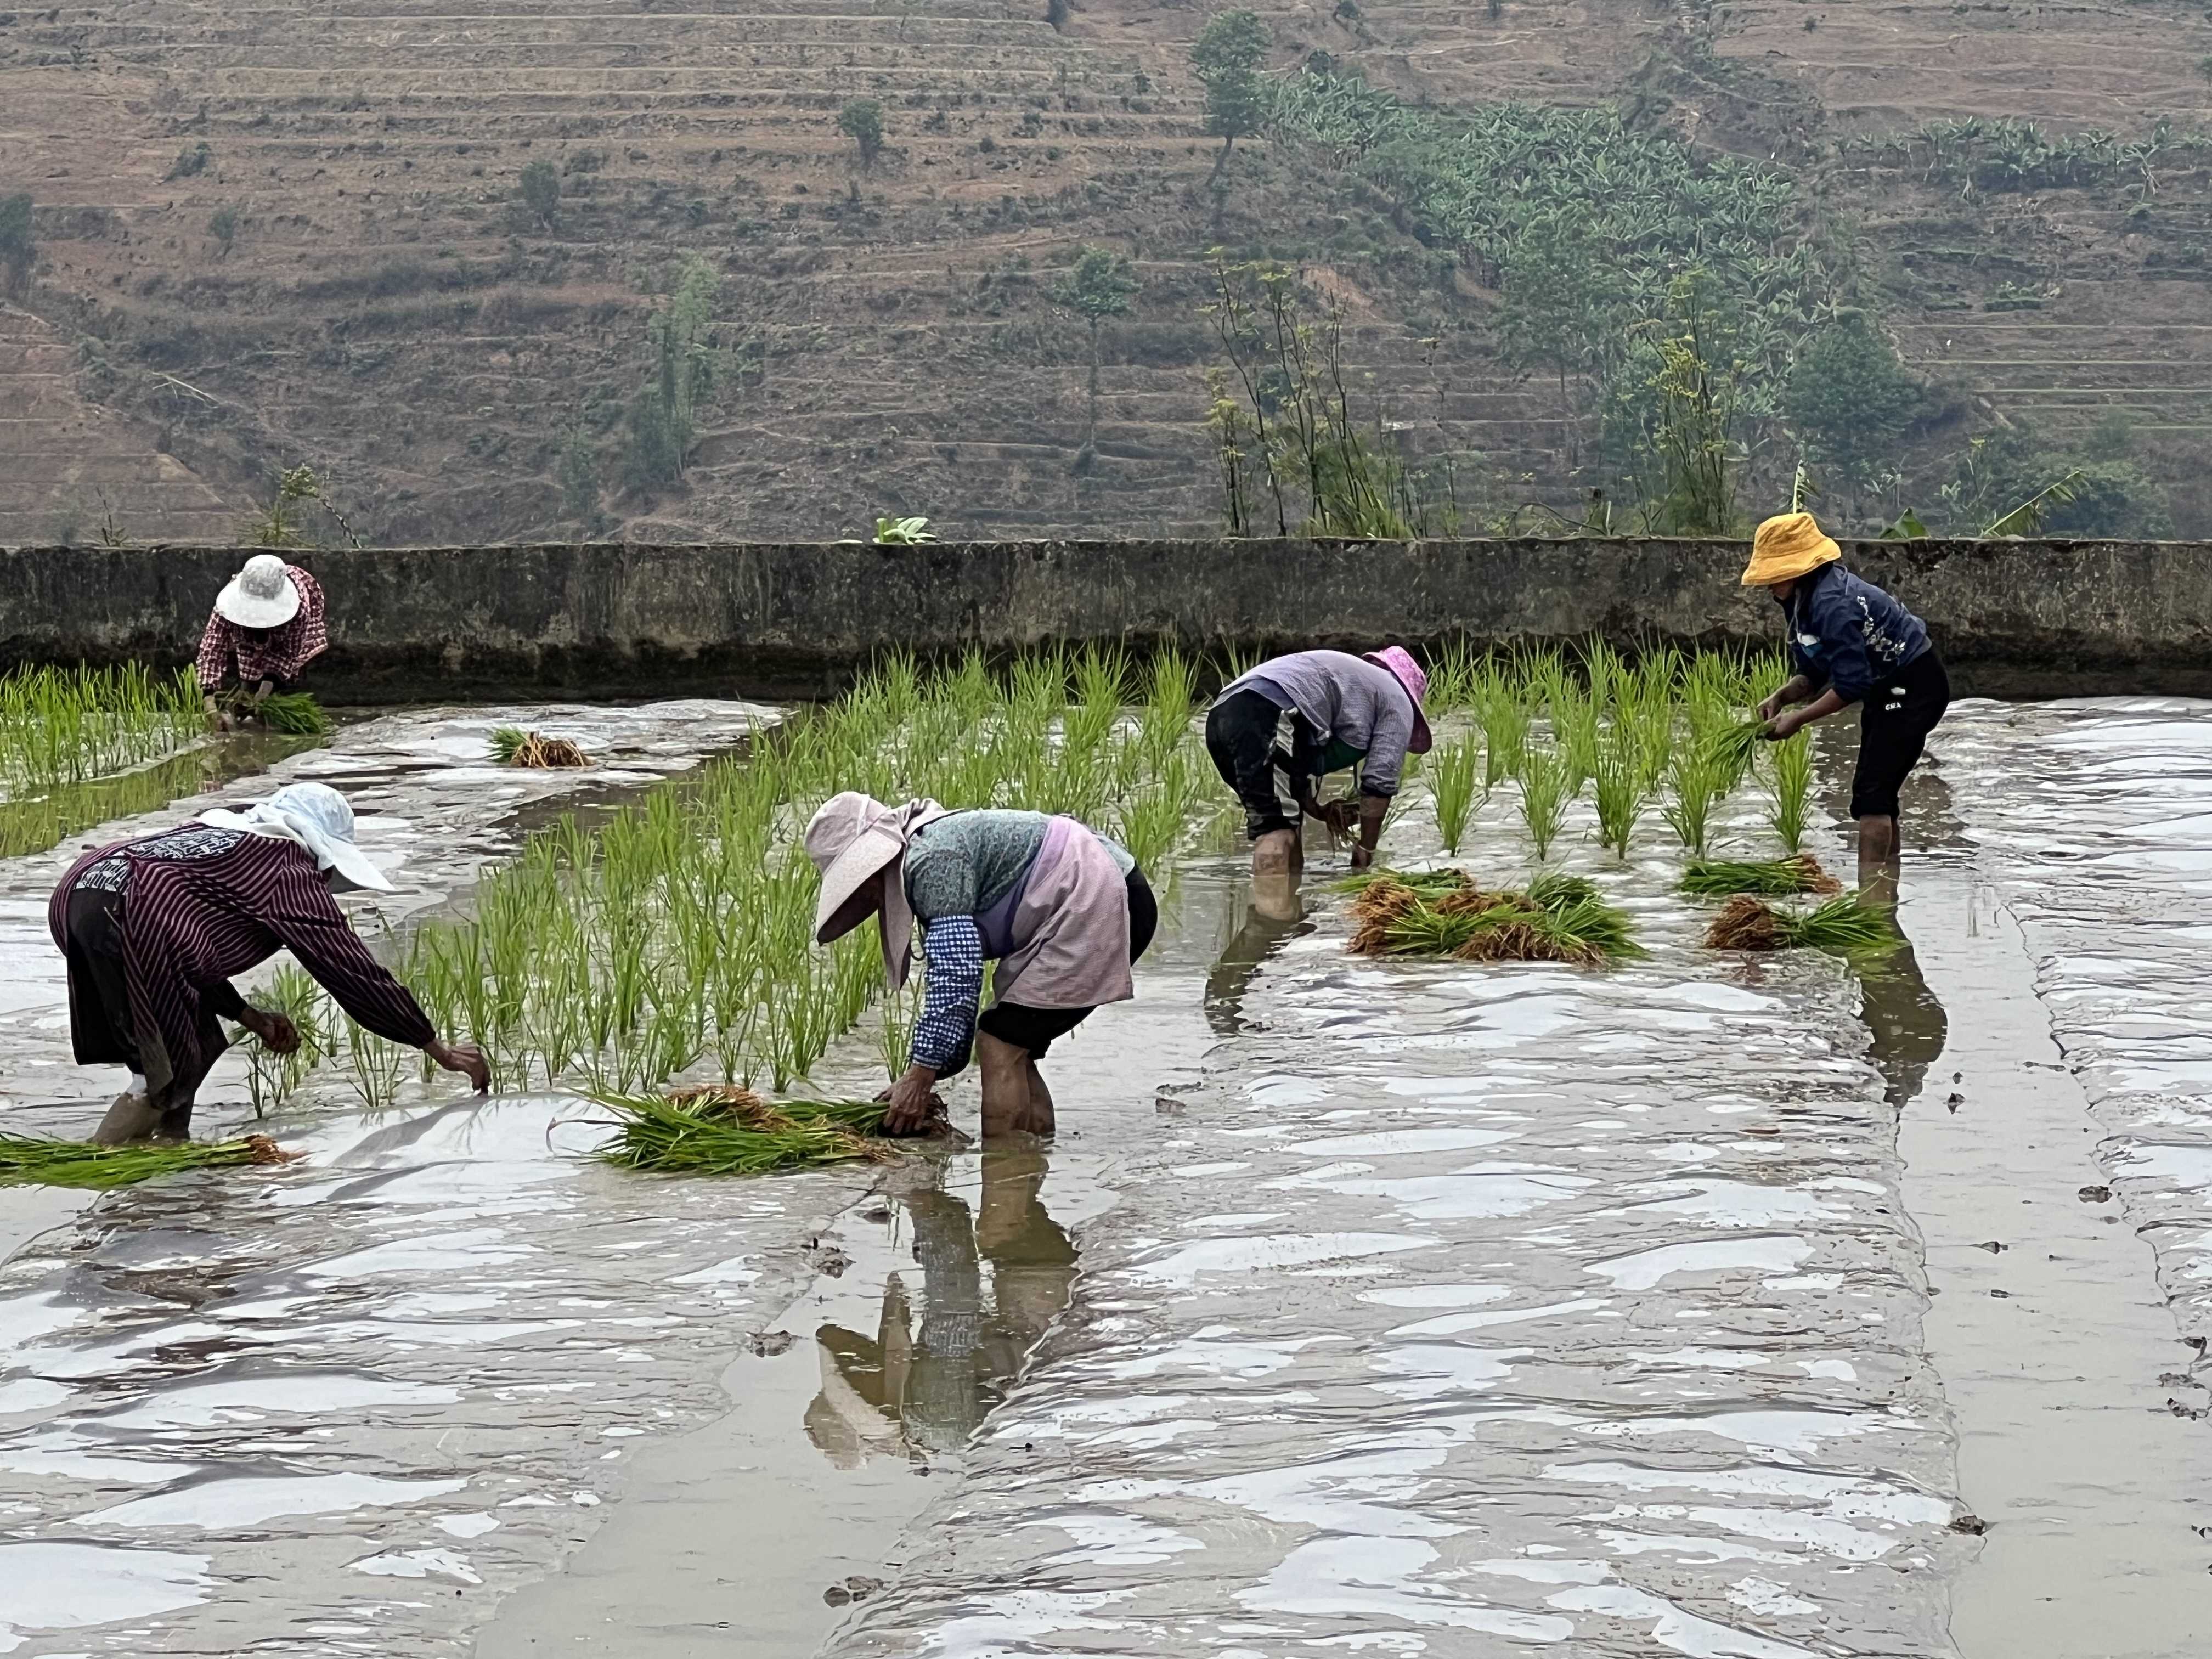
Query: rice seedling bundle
x: 1732, y: 749
x: 1451, y: 787
x: 513, y: 746
x: 1745, y: 923
x: 1715, y: 878
x: 727, y: 1131
x: 294, y: 712
x: 34, y: 1160
x: 1545, y: 793
x: 1792, y: 787
x: 1558, y: 919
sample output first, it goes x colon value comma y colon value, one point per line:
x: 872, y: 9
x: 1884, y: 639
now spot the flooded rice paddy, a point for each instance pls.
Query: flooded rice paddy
x: 1729, y: 1307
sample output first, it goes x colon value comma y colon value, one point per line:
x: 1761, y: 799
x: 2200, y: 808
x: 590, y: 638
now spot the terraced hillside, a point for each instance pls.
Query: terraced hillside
x: 269, y: 235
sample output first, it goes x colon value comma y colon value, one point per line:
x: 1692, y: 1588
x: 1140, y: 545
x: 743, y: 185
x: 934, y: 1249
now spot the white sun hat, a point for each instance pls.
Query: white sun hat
x: 317, y: 818
x: 262, y: 595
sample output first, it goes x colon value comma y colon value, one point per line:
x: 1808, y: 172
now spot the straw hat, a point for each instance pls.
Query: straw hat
x: 1788, y: 546
x: 262, y: 595
x: 855, y: 841
x: 1410, y: 676
x: 319, y: 819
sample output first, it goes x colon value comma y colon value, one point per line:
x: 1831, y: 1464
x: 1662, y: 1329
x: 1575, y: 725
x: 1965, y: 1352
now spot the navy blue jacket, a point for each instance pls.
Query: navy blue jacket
x: 1845, y: 633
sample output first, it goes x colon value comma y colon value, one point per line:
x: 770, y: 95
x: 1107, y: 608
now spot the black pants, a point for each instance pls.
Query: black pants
x: 1895, y: 721
x: 1261, y: 751
x: 1034, y: 1029
x: 103, y: 1029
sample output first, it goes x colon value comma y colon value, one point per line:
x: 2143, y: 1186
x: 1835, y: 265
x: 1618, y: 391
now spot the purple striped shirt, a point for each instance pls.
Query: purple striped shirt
x: 189, y: 924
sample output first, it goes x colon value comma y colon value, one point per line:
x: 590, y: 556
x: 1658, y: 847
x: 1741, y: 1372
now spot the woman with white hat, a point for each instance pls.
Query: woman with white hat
x: 154, y: 928
x: 267, y: 626
x: 1063, y: 912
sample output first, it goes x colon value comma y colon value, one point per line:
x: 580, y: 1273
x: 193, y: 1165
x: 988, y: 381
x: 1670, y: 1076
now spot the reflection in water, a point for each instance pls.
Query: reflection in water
x: 33, y: 824
x: 1903, y: 1017
x: 909, y: 1390
x: 1255, y: 931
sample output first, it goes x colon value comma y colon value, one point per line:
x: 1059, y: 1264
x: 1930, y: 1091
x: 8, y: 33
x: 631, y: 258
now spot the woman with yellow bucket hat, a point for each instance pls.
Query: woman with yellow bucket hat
x: 1851, y: 642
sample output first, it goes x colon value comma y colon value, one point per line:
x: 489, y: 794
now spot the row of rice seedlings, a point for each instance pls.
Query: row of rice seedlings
x: 677, y: 934
x: 64, y: 725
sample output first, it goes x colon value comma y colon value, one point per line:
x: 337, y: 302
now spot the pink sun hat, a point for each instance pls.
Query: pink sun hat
x: 1396, y: 658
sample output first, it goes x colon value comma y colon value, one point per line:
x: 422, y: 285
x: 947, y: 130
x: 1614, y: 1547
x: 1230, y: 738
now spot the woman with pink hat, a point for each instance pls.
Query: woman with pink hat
x: 1274, y: 731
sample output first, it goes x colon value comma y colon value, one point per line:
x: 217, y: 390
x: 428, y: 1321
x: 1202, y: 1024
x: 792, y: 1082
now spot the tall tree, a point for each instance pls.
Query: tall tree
x: 1851, y: 401
x: 686, y: 364
x: 1099, y: 285
x: 862, y: 121
x: 541, y: 190
x: 1227, y: 58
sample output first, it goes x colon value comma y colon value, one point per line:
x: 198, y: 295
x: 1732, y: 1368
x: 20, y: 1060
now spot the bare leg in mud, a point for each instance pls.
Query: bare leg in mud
x: 1879, y: 860
x: 132, y: 1117
x: 1015, y: 1099
x: 1279, y: 853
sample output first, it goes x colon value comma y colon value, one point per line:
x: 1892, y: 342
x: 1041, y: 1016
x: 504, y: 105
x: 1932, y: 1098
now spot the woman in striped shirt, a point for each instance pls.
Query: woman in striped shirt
x: 154, y: 928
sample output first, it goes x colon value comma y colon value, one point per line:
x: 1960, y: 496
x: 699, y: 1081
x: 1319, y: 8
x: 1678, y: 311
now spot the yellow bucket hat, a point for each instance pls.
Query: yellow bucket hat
x: 1787, y: 545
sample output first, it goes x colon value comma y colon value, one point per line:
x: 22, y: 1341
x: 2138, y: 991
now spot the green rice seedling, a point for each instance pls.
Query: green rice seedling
x: 1734, y: 748
x: 1620, y: 793
x: 1695, y: 782
x: 1558, y: 919
x: 1574, y: 727
x: 1544, y: 794
x: 1791, y: 776
x: 32, y: 1160
x: 1451, y: 787
x: 1504, y: 720
x: 1605, y: 672
x: 272, y: 1078
x: 507, y: 742
x: 376, y: 1064
x: 1426, y: 884
x: 1844, y: 924
x: 1452, y: 680
x: 1558, y: 889
x: 1718, y: 877
x: 901, y: 1013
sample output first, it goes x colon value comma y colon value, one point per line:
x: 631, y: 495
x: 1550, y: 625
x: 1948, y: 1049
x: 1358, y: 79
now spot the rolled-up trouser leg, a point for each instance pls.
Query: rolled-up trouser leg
x: 1251, y: 741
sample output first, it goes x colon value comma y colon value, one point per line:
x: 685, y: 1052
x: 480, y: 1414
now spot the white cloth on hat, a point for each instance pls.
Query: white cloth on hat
x: 317, y: 818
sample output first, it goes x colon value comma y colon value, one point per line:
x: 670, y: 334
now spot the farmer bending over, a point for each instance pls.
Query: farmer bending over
x: 1851, y: 642
x: 266, y: 626
x: 1275, y: 731
x: 1063, y: 912
x: 154, y: 928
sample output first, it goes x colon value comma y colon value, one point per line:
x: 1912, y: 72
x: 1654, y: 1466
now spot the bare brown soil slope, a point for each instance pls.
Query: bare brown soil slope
x: 388, y: 310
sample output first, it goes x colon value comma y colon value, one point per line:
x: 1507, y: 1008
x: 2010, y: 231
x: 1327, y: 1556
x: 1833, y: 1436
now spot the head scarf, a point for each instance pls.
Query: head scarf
x: 859, y: 844
x: 318, y: 819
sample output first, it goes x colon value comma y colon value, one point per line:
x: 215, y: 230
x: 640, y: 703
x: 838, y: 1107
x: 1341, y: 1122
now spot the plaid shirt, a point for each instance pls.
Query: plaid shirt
x: 265, y: 654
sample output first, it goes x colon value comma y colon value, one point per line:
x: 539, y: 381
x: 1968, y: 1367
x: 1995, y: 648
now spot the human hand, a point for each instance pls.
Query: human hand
x: 1338, y: 816
x: 1783, y: 726
x: 277, y: 1033
x: 267, y: 686
x: 465, y: 1058
x: 909, y: 1101
x: 1771, y: 706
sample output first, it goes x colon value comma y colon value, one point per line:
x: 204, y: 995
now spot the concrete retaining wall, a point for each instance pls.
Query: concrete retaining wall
x: 2013, y: 618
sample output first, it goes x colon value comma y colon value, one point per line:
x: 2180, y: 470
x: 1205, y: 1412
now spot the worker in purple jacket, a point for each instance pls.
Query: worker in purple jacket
x: 1850, y: 642
x: 154, y: 928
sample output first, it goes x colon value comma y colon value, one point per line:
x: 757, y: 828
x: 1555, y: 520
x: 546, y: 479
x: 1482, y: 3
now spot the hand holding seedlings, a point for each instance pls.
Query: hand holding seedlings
x: 463, y: 1057
x: 911, y: 1101
x: 277, y: 1033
